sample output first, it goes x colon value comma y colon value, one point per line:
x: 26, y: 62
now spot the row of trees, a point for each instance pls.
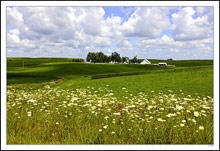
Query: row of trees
x: 77, y: 60
x: 114, y: 57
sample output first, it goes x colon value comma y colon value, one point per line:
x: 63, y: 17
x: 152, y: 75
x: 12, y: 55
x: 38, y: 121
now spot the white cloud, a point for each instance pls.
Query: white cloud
x: 74, y: 31
x: 147, y: 22
x: 185, y: 27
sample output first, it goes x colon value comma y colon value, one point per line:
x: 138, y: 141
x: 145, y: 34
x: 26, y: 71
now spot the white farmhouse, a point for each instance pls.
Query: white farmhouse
x: 146, y: 62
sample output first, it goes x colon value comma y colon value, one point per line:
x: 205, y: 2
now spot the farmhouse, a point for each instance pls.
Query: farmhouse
x: 162, y: 64
x: 145, y: 61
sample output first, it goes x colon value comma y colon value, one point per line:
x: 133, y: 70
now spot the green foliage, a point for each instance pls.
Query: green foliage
x: 77, y: 60
x: 134, y: 60
x: 97, y: 57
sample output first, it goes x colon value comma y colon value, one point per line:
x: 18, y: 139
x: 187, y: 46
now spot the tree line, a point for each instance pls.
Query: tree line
x: 77, y: 60
x: 100, y: 57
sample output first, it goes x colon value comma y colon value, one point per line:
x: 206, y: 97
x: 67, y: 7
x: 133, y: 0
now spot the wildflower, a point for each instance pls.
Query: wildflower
x: 74, y: 99
x: 117, y: 113
x: 193, y: 120
x: 181, y: 124
x: 57, y: 123
x: 184, y: 121
x: 100, y: 130
x: 178, y: 107
x: 170, y: 114
x: 150, y: 107
x: 201, y: 128
x: 123, y: 88
x: 29, y: 113
x: 161, y: 120
x: 205, y: 107
x: 196, y: 114
x: 203, y: 111
x: 106, y: 126
x: 173, y: 99
x: 31, y: 100
x: 113, y: 132
x: 187, y: 99
x: 204, y: 114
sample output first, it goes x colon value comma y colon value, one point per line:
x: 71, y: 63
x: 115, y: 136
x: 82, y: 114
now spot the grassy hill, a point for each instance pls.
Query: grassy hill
x: 190, y: 78
x: 56, y: 101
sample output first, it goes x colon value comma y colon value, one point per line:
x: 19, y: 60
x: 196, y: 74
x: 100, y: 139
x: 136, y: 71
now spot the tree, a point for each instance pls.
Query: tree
x: 105, y: 58
x: 77, y: 60
x: 100, y: 57
x: 94, y: 57
x: 116, y: 57
x: 109, y: 58
x: 134, y: 60
x: 89, y: 56
x: 125, y: 59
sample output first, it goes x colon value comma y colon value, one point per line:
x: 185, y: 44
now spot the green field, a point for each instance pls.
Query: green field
x: 56, y: 101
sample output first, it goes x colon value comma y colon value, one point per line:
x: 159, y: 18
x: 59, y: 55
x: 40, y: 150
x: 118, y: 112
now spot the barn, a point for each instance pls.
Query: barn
x: 145, y: 61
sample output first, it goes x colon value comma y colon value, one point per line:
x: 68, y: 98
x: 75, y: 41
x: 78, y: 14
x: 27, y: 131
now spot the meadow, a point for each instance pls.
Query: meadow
x: 56, y: 101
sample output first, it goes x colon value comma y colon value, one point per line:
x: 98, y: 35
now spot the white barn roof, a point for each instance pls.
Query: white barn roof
x: 162, y: 63
x: 145, y: 61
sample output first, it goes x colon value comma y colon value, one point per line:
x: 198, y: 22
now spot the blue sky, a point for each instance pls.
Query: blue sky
x: 148, y: 32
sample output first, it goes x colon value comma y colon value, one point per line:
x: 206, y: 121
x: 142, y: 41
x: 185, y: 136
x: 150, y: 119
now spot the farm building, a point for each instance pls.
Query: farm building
x: 162, y: 64
x: 145, y: 61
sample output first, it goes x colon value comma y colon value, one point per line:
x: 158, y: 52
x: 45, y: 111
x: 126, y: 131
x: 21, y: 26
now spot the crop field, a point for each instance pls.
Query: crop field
x: 56, y: 101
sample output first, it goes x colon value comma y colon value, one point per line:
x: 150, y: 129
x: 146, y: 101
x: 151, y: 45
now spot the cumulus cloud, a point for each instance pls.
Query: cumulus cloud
x: 74, y: 31
x: 186, y: 27
x: 147, y: 22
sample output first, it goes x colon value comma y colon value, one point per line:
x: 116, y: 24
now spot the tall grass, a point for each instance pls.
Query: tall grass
x: 87, y: 116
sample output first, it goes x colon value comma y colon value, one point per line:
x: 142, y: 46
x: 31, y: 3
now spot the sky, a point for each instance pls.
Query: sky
x: 181, y: 33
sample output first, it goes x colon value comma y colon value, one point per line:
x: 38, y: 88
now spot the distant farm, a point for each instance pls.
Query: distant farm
x: 70, y: 101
